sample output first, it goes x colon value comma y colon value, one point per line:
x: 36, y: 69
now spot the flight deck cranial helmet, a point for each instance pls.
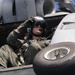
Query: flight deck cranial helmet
x: 39, y: 21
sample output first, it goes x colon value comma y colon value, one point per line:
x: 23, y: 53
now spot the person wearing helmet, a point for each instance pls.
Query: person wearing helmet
x: 21, y: 48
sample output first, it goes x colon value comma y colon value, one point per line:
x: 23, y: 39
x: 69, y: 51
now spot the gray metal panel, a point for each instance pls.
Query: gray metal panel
x: 19, y: 72
x: 48, y: 7
x: 44, y: 7
x: 1, y: 7
x: 7, y: 11
x: 39, y: 7
x: 21, y: 11
x: 67, y: 34
x: 22, y: 70
x: 25, y: 9
x: 31, y: 9
x: 68, y: 6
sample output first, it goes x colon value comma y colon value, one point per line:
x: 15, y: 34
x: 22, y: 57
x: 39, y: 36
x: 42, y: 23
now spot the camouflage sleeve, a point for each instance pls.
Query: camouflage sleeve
x: 29, y: 55
x: 38, y: 45
x: 30, y: 50
x: 8, y: 55
x: 14, y: 39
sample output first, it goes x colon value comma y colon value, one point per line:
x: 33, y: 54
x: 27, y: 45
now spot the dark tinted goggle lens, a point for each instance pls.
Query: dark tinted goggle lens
x: 42, y: 25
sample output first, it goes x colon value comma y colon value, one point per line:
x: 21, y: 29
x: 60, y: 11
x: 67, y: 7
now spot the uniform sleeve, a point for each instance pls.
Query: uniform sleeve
x: 8, y: 55
x: 29, y: 54
x: 30, y: 50
x: 14, y: 41
x: 15, y: 38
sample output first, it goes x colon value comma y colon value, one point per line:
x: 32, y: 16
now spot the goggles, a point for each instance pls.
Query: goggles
x: 42, y: 25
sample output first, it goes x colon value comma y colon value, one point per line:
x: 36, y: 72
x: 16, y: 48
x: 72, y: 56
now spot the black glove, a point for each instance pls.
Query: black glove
x: 22, y: 29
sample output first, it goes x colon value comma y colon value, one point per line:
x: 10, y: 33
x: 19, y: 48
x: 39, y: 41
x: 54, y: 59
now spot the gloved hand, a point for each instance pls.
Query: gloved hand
x: 23, y: 27
x: 29, y: 21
